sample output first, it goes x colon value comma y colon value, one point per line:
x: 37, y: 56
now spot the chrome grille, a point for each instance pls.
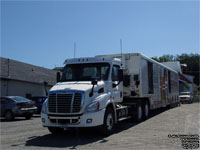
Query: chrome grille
x: 65, y: 103
x: 52, y: 103
x: 77, y: 102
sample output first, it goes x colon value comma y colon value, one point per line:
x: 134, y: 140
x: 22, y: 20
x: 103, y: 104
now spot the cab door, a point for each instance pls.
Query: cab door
x: 117, y: 84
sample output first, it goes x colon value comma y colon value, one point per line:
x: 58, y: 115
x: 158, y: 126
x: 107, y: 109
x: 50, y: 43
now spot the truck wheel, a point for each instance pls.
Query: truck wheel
x: 9, y: 115
x: 108, y: 124
x: 146, y: 111
x: 56, y: 130
x: 138, y: 116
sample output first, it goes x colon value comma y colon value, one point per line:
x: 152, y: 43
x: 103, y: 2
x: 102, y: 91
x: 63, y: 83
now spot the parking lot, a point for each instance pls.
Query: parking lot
x: 150, y: 134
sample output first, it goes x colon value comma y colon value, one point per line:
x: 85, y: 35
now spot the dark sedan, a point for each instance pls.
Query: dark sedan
x: 16, y: 106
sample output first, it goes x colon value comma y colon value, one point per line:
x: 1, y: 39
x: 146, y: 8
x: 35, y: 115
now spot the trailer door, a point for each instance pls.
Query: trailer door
x: 163, y: 85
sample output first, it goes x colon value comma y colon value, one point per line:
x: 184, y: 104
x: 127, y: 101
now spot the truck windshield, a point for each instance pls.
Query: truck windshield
x: 86, y: 72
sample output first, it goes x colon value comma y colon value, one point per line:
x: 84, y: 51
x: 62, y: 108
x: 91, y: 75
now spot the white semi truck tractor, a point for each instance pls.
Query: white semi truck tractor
x: 103, y: 90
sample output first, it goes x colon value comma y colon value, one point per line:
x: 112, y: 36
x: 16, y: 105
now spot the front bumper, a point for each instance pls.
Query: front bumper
x: 186, y: 100
x: 25, y: 111
x: 89, y: 119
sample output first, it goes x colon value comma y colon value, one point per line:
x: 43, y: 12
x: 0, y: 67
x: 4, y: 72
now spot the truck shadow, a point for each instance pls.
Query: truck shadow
x: 70, y: 139
x: 73, y: 138
x: 76, y: 137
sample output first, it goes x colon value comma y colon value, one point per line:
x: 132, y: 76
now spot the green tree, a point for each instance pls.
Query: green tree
x: 165, y: 58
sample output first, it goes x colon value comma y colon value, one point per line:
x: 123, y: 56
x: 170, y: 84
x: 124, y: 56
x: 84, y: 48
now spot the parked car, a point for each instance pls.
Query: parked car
x: 186, y: 97
x: 16, y: 106
x: 39, y: 100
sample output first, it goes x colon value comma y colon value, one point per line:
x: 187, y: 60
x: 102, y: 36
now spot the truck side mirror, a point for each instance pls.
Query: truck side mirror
x: 45, y: 87
x: 126, y: 80
x: 94, y: 82
x: 120, y: 78
x: 137, y: 83
x: 58, y: 77
x: 136, y: 79
x: 120, y: 75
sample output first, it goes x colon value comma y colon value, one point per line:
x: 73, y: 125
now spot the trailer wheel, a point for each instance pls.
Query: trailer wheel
x: 107, y: 127
x: 146, y: 110
x: 139, y: 114
x: 56, y: 130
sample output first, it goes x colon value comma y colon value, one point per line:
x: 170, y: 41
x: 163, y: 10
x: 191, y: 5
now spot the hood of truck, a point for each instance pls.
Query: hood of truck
x: 78, y: 86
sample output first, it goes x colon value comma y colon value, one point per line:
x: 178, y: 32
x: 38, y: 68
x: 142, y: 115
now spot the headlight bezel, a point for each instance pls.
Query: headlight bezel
x: 92, y: 107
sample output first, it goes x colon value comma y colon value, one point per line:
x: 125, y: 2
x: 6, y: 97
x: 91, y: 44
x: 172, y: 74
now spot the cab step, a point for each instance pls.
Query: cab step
x: 121, y: 119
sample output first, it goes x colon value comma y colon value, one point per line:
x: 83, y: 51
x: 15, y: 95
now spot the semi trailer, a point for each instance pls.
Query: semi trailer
x: 100, y: 91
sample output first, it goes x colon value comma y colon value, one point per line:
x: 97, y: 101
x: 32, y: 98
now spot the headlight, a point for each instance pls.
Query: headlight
x: 44, y: 107
x: 93, y: 107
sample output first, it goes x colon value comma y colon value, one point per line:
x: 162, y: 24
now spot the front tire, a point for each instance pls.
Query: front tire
x: 56, y: 130
x: 108, y: 125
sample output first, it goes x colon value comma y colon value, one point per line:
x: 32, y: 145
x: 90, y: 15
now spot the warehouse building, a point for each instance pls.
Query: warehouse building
x: 21, y: 79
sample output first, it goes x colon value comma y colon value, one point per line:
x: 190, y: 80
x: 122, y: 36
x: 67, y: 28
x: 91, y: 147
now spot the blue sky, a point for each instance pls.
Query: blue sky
x: 43, y: 32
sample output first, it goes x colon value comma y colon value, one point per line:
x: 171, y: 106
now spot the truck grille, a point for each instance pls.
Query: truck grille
x: 65, y: 103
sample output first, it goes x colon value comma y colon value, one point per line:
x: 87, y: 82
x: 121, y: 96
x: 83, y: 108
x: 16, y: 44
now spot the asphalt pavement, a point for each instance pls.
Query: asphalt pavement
x: 162, y: 131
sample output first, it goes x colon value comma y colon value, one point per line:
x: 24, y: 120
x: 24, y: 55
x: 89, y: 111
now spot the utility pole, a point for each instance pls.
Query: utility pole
x: 121, y: 50
x: 74, y: 49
